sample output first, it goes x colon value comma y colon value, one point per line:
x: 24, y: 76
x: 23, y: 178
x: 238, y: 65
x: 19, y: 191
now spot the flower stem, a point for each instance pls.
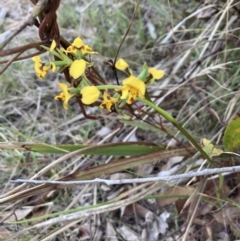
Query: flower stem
x: 107, y: 87
x: 170, y: 118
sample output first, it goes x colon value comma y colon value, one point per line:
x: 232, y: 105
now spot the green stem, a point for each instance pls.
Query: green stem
x: 169, y: 117
x: 100, y: 87
x: 107, y: 87
x: 59, y: 63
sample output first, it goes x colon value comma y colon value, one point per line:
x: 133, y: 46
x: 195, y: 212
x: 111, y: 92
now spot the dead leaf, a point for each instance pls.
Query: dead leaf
x: 209, y: 148
x: 206, y: 14
x: 128, y: 234
x: 110, y: 232
x: 17, y: 214
x: 4, y: 233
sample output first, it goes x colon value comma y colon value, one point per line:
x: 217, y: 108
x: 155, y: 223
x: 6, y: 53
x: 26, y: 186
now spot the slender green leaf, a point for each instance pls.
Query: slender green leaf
x: 114, y: 149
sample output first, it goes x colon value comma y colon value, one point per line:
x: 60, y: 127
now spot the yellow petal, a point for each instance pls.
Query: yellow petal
x: 65, y: 96
x: 36, y: 58
x: 41, y: 74
x: 121, y: 64
x: 108, y: 101
x: 46, y: 68
x: 90, y: 94
x: 135, y: 83
x: 40, y: 68
x: 53, y: 66
x: 63, y: 87
x: 77, y: 43
x: 40, y: 71
x: 60, y: 96
x: 70, y: 49
x: 105, y: 96
x: 87, y: 50
x: 129, y: 94
x: 125, y: 91
x: 77, y: 68
x: 53, y: 45
x: 156, y: 74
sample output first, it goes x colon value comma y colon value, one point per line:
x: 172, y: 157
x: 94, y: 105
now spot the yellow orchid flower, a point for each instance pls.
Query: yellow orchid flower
x: 132, y: 88
x: 65, y: 96
x: 156, y: 74
x: 40, y: 68
x: 53, y: 45
x: 108, y: 101
x: 121, y: 64
x: 77, y: 68
x: 75, y: 46
x: 78, y: 45
x: 90, y: 94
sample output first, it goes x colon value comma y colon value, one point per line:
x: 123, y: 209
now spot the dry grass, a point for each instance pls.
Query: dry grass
x: 200, y: 89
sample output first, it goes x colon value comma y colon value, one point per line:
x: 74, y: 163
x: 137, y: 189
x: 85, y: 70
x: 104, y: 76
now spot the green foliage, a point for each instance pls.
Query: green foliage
x: 68, y: 17
x: 231, y: 139
x: 116, y: 149
x: 161, y: 8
